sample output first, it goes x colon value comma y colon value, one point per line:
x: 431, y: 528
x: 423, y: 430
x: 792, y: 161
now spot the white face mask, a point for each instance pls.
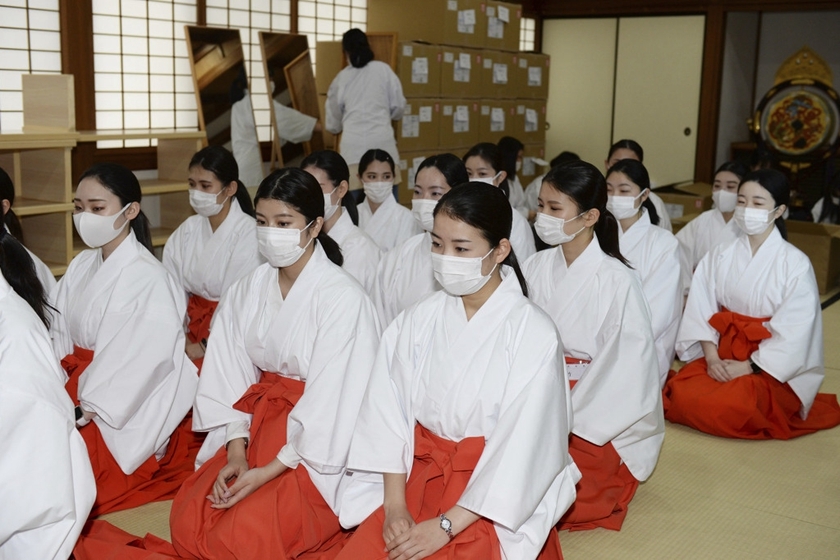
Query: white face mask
x: 489, y: 180
x: 204, y: 203
x: 96, y: 230
x: 281, y: 246
x: 753, y: 221
x: 725, y: 201
x: 552, y: 230
x: 330, y: 208
x: 423, y: 211
x: 623, y: 206
x: 460, y: 276
x: 378, y: 191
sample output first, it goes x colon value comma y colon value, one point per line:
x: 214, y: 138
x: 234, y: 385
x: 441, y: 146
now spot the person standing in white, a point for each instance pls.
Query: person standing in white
x: 362, y: 101
x: 361, y: 253
x: 50, y: 487
x: 652, y: 252
x: 630, y: 149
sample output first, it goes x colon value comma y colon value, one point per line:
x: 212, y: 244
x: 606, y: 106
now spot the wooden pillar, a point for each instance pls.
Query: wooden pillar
x: 76, y: 21
x: 710, y: 83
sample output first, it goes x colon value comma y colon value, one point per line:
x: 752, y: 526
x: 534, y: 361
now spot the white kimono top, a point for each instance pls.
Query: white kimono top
x: 521, y: 237
x: 499, y: 376
x: 361, y: 103
x: 245, y: 145
x: 43, y: 272
x: 701, y: 235
x: 517, y: 196
x: 816, y: 210
x: 777, y: 282
x: 659, y: 204
x: 361, y: 253
x: 532, y: 193
x: 323, y: 333
x: 654, y: 255
x: 292, y: 125
x: 130, y: 312
x: 600, y: 310
x: 49, y: 488
x: 206, y: 263
x: 404, y: 276
x: 390, y: 225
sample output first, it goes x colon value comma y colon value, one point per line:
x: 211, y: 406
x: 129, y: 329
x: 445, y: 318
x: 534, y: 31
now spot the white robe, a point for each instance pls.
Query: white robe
x: 532, y: 193
x: 324, y: 333
x: 499, y: 376
x: 816, y: 210
x: 777, y: 282
x: 361, y: 103
x: 49, y: 486
x: 654, y: 255
x: 600, y: 310
x: 521, y: 237
x: 701, y: 235
x: 130, y: 312
x: 361, y: 253
x: 390, y: 225
x: 659, y: 204
x: 404, y: 276
x: 517, y: 196
x: 206, y: 263
x: 244, y: 142
x: 292, y: 125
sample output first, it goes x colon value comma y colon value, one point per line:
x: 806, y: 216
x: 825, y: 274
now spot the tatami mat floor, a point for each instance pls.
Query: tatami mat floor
x: 709, y: 498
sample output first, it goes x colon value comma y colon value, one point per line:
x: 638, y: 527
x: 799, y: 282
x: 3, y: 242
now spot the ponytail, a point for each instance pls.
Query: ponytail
x: 11, y: 221
x: 331, y: 248
x: 7, y: 192
x: 18, y: 269
x: 244, y: 199
x: 607, y: 231
x: 355, y: 43
x: 513, y: 262
x: 651, y: 209
x: 143, y: 231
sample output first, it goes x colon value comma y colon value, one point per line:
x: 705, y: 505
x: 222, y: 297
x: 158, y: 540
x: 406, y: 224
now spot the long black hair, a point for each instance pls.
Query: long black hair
x: 331, y: 163
x: 355, y: 43
x: 122, y: 182
x: 777, y: 185
x: 510, y: 148
x: 301, y: 191
x: 372, y: 155
x: 487, y: 209
x: 7, y: 192
x: 636, y: 172
x: 450, y: 166
x: 220, y: 162
x: 583, y: 183
x: 18, y: 269
x: 627, y: 144
x: 490, y: 153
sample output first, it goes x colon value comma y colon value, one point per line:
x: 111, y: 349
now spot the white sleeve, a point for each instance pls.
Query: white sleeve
x: 334, y: 108
x: 396, y: 97
x: 292, y: 125
x: 701, y: 305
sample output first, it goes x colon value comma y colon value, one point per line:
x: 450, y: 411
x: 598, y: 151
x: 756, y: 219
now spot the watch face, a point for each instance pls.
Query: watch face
x: 445, y: 524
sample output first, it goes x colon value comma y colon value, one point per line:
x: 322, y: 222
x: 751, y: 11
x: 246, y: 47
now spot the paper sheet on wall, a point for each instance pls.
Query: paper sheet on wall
x: 534, y: 76
x: 420, y: 70
x: 531, y: 121
x: 500, y: 74
x: 425, y: 114
x: 497, y: 119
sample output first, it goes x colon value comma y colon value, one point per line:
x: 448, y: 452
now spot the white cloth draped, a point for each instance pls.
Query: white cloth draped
x: 390, y: 225
x: 361, y: 253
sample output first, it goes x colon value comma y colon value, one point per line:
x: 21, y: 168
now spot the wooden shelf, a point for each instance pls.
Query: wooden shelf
x: 56, y: 268
x: 160, y: 235
x: 31, y: 207
x: 161, y: 186
x: 23, y: 140
x: 139, y: 134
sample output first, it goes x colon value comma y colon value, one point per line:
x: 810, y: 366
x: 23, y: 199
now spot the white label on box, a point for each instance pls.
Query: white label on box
x: 407, y: 109
x: 528, y: 167
x: 520, y: 109
x: 464, y: 59
x: 426, y: 114
x: 485, y: 110
x: 460, y: 126
x: 452, y: 5
x: 500, y: 74
x: 491, y: 11
x: 523, y: 63
x: 462, y: 113
x: 447, y: 110
x: 497, y: 120
x: 460, y: 74
x: 488, y: 63
x: 531, y: 120
x: 411, y: 126
x: 504, y: 14
x: 495, y: 28
x: 535, y: 76
x: 408, y: 50
x: 466, y: 21
x: 469, y: 17
x: 420, y: 70
x: 674, y: 210
x: 448, y: 57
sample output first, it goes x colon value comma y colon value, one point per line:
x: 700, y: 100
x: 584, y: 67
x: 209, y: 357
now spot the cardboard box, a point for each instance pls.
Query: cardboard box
x: 497, y: 73
x: 418, y: 66
x: 678, y: 223
x: 458, y: 125
x: 532, y: 156
x: 443, y: 22
x: 531, y: 75
x: 503, y: 23
x: 529, y: 121
x: 821, y: 242
x: 683, y: 200
x: 329, y: 60
x: 495, y: 119
x: 409, y: 161
x: 419, y: 128
x: 460, y: 72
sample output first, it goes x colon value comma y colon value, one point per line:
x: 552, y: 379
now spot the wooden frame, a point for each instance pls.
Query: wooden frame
x: 304, y: 94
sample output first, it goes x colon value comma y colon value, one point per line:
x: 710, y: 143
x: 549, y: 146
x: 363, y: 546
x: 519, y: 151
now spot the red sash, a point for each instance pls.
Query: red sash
x: 440, y: 473
x: 755, y: 406
x: 285, y: 518
x: 200, y: 313
x: 153, y: 480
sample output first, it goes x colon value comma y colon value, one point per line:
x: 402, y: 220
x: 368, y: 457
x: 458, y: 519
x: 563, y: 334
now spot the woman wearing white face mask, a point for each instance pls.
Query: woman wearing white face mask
x: 471, y: 376
x: 752, y: 330
x: 485, y: 165
x: 598, y: 305
x: 216, y: 247
x: 405, y: 275
x: 361, y: 253
x: 286, y: 368
x: 386, y: 221
x: 713, y: 227
x: 652, y: 252
x: 119, y: 329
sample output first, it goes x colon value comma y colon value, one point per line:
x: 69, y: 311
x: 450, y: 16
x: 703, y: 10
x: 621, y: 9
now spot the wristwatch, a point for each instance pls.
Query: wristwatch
x: 446, y: 525
x: 755, y: 367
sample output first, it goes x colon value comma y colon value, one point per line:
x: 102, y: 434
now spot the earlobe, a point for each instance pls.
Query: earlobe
x: 343, y: 187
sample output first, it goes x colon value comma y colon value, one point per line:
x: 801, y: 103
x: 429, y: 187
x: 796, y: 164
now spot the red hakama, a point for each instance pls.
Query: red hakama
x: 285, y: 518
x: 200, y: 313
x: 153, y: 480
x: 439, y: 476
x: 755, y: 406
